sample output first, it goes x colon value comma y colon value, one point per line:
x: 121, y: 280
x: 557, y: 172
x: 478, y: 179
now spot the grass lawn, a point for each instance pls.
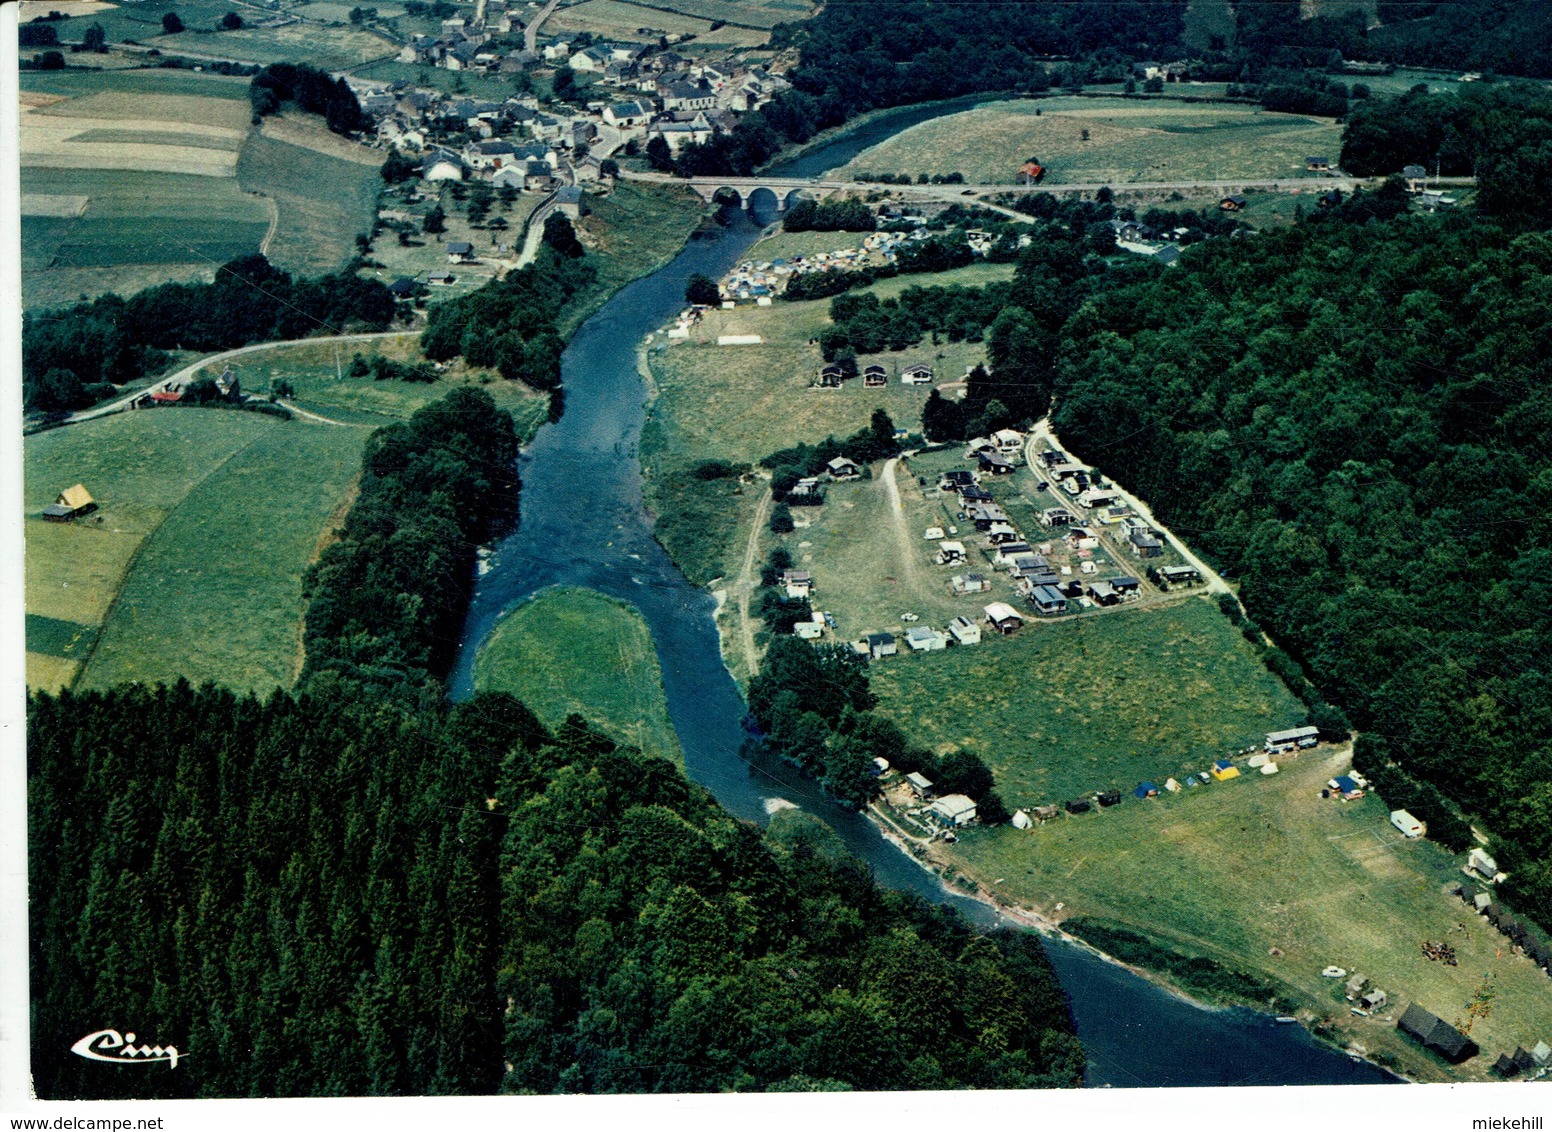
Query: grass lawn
x: 439, y: 78
x: 1235, y: 869
x: 151, y: 80
x: 1067, y: 707
x: 426, y: 253
x: 323, y: 200
x: 1127, y: 141
x: 571, y: 650
x: 216, y: 591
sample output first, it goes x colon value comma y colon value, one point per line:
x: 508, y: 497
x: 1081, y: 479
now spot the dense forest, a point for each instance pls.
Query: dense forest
x: 73, y: 357
x: 388, y: 595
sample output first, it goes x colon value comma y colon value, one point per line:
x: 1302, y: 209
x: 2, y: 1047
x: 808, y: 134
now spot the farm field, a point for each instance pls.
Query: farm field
x: 139, y: 467
x: 133, y: 178
x: 572, y: 650
x: 439, y: 78
x: 333, y: 48
x: 310, y: 367
x: 616, y: 20
x: 754, y: 13
x: 1127, y: 141
x: 215, y: 592
x: 1091, y: 703
x: 323, y: 188
x: 1234, y: 870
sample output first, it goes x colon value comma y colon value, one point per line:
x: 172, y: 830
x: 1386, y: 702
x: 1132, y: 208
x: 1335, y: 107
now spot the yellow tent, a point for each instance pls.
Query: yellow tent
x: 75, y: 497
x: 1224, y: 773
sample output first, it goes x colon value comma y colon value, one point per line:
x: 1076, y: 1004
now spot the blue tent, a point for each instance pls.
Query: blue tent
x: 1222, y: 764
x: 1146, y: 790
x: 1346, y: 785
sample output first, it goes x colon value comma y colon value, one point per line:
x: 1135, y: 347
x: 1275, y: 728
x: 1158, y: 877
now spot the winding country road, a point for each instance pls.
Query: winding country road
x: 192, y: 368
x: 531, y: 32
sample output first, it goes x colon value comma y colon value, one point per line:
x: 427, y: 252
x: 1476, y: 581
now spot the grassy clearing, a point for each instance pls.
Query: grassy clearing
x: 571, y: 650
x: 620, y: 21
x: 439, y: 78
x: 1092, y: 703
x: 336, y: 49
x: 1128, y: 141
x: 633, y: 231
x: 323, y: 201
x: 1235, y: 869
x: 139, y: 467
x: 216, y: 591
x: 314, y: 371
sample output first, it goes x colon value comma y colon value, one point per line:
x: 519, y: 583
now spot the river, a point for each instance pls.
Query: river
x: 584, y: 524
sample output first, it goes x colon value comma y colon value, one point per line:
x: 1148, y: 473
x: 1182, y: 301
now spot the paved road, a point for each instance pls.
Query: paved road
x: 534, y: 234
x: 190, y: 370
x: 531, y: 32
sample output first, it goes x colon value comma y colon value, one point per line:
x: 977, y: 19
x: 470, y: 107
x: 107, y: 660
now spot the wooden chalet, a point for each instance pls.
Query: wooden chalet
x: 72, y: 503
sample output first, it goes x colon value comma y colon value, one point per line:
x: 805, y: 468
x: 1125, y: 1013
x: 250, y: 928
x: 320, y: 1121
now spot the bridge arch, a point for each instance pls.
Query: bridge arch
x: 795, y: 195
x: 765, y: 198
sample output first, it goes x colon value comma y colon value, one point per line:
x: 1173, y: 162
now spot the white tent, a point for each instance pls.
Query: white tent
x: 1269, y: 768
x: 1172, y: 786
x: 1021, y: 820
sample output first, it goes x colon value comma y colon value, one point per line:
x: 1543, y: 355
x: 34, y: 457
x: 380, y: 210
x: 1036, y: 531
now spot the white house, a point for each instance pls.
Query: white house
x: 626, y: 114
x: 590, y: 60
x: 925, y: 640
x: 965, y: 631
x: 1003, y: 617
x: 953, y: 810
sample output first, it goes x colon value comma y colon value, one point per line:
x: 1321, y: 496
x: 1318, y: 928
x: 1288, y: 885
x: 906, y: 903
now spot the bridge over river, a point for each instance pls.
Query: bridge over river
x: 782, y: 192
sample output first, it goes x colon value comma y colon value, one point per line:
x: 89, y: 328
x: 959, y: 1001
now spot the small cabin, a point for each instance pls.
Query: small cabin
x: 965, y: 631
x: 70, y: 504
x: 919, y: 783
x: 970, y: 583
x: 841, y: 468
x: 1318, y: 164
x: 1003, y: 617
x: 950, y: 553
x: 1108, y: 798
x: 881, y: 645
x: 917, y: 374
x: 1233, y: 202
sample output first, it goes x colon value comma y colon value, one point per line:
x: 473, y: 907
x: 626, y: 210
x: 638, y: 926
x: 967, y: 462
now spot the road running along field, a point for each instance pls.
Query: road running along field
x: 1127, y: 140
x: 1267, y: 877
x: 192, y: 564
x: 638, y: 23
x: 570, y: 650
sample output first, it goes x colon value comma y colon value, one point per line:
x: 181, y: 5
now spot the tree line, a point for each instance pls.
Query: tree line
x: 309, y: 90
x: 510, y: 322
x: 814, y: 707
x: 74, y: 356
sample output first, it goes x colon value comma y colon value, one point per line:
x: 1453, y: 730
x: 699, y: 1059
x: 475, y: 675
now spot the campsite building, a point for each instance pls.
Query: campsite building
x: 917, y: 374
x: 965, y: 631
x: 71, y: 503
x: 919, y: 783
x: 881, y: 645
x: 1048, y: 601
x: 1436, y: 1034
x: 952, y: 810
x: 1279, y: 742
x: 841, y: 468
x: 1003, y: 617
x: 923, y: 639
x: 970, y: 583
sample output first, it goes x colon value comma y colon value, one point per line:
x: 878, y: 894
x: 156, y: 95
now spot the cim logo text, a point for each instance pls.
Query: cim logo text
x: 120, y: 1049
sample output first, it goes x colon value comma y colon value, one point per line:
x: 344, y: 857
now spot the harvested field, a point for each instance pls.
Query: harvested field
x: 618, y: 20
x: 136, y: 110
x: 755, y: 13
x: 336, y: 49
x: 307, y: 132
x: 59, y: 205
x: 1126, y: 141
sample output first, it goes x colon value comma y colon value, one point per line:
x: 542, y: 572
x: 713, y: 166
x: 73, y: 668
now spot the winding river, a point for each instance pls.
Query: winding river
x: 583, y: 523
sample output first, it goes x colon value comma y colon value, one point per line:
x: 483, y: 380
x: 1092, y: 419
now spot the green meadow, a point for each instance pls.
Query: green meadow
x: 571, y: 650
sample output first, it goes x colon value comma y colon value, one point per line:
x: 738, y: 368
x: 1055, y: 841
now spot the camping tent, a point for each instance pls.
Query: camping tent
x: 1146, y: 790
x: 1021, y: 820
